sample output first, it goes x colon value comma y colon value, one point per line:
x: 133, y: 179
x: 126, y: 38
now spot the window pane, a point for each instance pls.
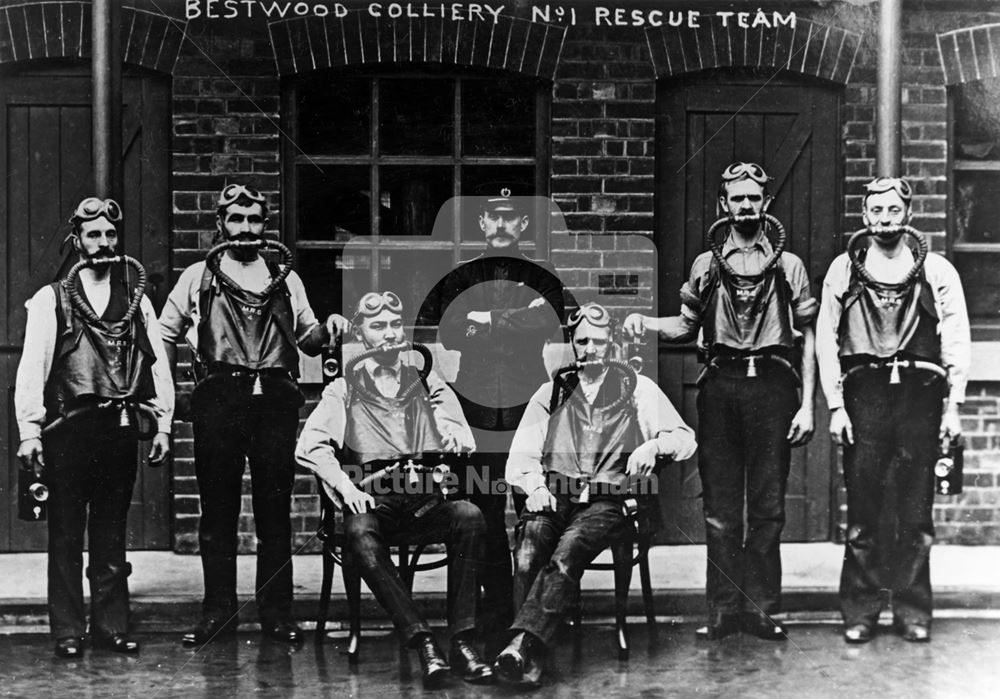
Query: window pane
x: 334, y: 115
x: 412, y: 274
x: 416, y: 116
x: 333, y: 201
x: 498, y: 117
x: 410, y: 197
x: 481, y: 181
x: 977, y: 206
x: 334, y: 279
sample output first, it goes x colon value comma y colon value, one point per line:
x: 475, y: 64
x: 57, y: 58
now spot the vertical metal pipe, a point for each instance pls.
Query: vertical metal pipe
x: 889, y: 162
x: 106, y: 74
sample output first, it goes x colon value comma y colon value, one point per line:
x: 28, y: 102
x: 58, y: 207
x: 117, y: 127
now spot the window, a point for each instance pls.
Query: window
x: 378, y: 154
x: 975, y: 197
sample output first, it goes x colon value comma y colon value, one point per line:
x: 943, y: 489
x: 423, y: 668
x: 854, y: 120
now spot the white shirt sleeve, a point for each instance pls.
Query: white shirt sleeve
x: 323, y: 435
x: 36, y: 362
x: 659, y: 420
x: 163, y: 403
x: 828, y: 330
x: 953, y: 325
x: 524, y: 464
x: 305, y: 319
x: 181, y: 308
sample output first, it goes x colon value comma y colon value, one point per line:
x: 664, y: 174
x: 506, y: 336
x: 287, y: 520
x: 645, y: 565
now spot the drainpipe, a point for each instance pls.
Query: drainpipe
x: 106, y: 69
x: 888, y: 159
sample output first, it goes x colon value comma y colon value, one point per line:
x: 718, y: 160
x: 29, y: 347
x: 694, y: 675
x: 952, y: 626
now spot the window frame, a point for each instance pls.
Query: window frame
x: 292, y: 158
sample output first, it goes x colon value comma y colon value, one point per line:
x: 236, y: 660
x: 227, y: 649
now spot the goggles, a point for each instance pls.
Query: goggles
x: 94, y: 207
x: 738, y: 171
x: 895, y: 184
x: 234, y: 191
x: 593, y: 313
x: 373, y: 303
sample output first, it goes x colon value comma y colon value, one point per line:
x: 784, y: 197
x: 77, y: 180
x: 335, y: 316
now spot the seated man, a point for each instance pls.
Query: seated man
x: 386, y: 411
x: 576, y: 448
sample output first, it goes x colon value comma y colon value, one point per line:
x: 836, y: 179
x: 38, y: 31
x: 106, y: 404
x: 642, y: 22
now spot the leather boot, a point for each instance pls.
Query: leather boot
x: 432, y: 663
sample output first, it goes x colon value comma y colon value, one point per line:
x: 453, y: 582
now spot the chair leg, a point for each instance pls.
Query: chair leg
x: 352, y: 587
x: 621, y: 553
x: 647, y: 585
x: 324, y: 593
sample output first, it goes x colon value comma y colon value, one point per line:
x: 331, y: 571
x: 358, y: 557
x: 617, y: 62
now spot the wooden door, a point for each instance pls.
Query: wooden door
x: 45, y: 150
x: 791, y: 128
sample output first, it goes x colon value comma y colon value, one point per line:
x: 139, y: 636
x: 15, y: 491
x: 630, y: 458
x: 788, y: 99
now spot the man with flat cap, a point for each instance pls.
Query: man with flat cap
x: 498, y: 310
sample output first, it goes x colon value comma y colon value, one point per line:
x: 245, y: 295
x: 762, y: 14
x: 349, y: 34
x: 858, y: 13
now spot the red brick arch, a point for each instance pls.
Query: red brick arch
x: 34, y: 31
x: 809, y: 48
x: 513, y: 44
x: 971, y: 53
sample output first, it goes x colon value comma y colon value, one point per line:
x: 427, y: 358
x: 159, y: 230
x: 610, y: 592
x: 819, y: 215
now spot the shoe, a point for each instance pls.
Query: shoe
x: 858, y: 633
x: 520, y: 663
x: 914, y: 633
x: 467, y: 663
x: 719, y: 626
x: 764, y: 627
x: 509, y: 663
x: 116, y: 643
x: 432, y: 663
x: 69, y: 647
x: 285, y: 631
x: 209, y: 629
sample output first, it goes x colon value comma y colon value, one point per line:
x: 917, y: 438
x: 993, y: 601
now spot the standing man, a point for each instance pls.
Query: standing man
x: 90, y: 364
x: 249, y: 331
x: 371, y: 417
x: 893, y: 347
x: 573, y: 456
x: 756, y: 313
x: 498, y: 310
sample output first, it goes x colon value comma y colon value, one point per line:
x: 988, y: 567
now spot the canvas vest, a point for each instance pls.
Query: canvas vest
x: 111, y: 361
x: 245, y: 329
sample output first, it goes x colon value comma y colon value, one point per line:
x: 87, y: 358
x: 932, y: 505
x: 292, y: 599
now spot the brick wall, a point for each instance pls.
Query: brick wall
x: 973, y: 517
x: 602, y: 176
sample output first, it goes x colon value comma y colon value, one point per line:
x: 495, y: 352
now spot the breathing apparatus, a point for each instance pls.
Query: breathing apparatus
x: 81, y: 307
x: 887, y: 292
x: 214, y: 263
x: 413, y: 465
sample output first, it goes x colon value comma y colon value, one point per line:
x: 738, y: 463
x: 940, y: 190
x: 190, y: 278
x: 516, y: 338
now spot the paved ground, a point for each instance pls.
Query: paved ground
x: 960, y: 662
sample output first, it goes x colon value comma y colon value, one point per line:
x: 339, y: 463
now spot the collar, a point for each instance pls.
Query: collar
x: 760, y: 242
x: 370, y: 365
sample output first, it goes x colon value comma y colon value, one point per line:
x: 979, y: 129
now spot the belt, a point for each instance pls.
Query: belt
x: 894, y: 365
x: 750, y: 361
x: 129, y: 413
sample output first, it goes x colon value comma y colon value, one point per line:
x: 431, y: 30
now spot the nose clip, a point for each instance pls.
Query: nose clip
x: 752, y: 367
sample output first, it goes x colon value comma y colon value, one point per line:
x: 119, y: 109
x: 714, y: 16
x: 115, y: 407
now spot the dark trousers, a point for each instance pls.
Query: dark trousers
x: 458, y: 524
x: 744, y: 458
x: 90, y: 468
x: 232, y: 427
x: 894, y: 451
x: 553, y: 551
x: 497, y: 607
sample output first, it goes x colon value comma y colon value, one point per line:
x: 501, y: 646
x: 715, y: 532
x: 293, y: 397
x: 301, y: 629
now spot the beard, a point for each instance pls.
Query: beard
x: 746, y: 222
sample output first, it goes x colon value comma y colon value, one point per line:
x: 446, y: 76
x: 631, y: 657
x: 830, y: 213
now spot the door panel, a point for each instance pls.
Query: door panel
x: 45, y: 122
x: 790, y: 128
